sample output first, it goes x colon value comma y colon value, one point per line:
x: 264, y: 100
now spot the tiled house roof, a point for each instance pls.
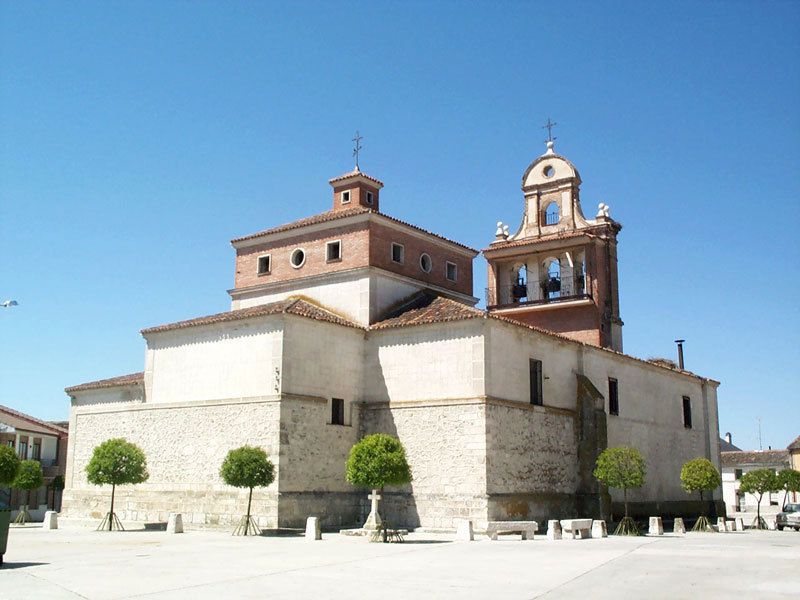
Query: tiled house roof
x: 795, y: 445
x: 18, y: 420
x: 132, y: 379
x: 775, y: 458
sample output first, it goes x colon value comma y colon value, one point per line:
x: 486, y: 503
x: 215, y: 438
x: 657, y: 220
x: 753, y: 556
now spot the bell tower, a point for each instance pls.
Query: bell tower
x: 559, y: 270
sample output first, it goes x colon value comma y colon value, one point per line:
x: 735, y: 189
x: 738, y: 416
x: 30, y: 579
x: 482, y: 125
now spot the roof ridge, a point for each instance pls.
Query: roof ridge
x: 22, y: 415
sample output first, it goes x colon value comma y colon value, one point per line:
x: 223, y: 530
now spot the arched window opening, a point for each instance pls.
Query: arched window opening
x: 551, y: 285
x: 519, y: 288
x: 551, y: 214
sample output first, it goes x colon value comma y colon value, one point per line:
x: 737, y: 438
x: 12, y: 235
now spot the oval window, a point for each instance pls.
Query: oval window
x: 549, y: 171
x: 298, y: 258
x: 425, y: 263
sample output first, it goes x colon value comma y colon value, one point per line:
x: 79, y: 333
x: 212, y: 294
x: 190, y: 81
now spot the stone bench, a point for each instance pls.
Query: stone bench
x: 525, y: 528
x: 577, y: 527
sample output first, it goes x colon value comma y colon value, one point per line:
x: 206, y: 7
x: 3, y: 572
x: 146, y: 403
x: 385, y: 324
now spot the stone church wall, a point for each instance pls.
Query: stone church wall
x: 531, y: 462
x: 446, y: 448
x: 185, y: 444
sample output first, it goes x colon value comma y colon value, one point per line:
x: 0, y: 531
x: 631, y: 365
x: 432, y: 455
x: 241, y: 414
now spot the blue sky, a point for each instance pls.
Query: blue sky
x: 138, y: 138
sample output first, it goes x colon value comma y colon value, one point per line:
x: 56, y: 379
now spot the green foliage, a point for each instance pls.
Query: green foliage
x: 247, y: 467
x: 622, y: 468
x: 700, y: 475
x: 9, y: 465
x: 759, y: 481
x: 376, y: 461
x: 117, y: 462
x: 57, y: 483
x: 29, y: 476
x: 789, y: 480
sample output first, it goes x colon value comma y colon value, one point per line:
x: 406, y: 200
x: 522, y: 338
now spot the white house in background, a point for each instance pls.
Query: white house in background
x: 34, y: 439
x: 737, y: 462
x: 353, y: 322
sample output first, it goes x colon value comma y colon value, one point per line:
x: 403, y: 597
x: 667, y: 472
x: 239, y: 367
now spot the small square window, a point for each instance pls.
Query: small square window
x: 613, y: 396
x: 398, y: 253
x: 333, y: 251
x: 264, y: 264
x: 369, y: 198
x: 346, y: 197
x: 451, y: 271
x: 337, y: 411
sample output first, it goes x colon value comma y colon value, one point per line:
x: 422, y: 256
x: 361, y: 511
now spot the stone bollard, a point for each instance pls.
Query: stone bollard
x: 50, y: 520
x: 554, y: 530
x: 464, y: 531
x: 175, y: 523
x: 730, y: 525
x: 313, y: 529
x: 739, y: 522
x: 679, y: 526
x: 656, y: 526
x: 599, y: 529
x: 721, y: 524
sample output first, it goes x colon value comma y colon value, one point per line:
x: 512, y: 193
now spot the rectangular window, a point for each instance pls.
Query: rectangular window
x: 613, y: 396
x: 451, y: 271
x: 36, y: 451
x: 333, y: 251
x: 398, y: 253
x: 22, y: 450
x: 535, y: 367
x: 346, y: 197
x: 737, y: 474
x: 369, y: 198
x: 337, y: 411
x: 687, y: 412
x: 264, y: 264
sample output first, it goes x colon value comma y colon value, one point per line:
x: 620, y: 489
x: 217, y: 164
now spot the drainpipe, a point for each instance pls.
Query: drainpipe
x: 680, y: 353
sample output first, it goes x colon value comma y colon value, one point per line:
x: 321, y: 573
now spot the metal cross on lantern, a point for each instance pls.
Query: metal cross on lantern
x: 549, y: 126
x: 357, y: 147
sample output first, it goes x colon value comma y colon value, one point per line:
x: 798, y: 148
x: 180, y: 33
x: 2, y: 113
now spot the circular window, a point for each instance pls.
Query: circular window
x: 298, y: 258
x: 425, y: 263
x: 549, y: 171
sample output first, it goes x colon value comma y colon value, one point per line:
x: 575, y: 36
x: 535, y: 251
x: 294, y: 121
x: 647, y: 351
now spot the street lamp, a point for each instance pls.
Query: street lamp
x: 9, y: 303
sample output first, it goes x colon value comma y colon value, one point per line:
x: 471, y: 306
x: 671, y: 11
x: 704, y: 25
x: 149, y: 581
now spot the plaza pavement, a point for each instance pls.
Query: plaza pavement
x: 72, y: 563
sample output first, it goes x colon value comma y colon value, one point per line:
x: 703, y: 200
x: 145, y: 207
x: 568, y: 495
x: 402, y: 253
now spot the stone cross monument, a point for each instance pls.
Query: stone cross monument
x: 373, y: 519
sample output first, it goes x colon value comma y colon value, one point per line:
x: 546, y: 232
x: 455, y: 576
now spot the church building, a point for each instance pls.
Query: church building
x: 353, y: 322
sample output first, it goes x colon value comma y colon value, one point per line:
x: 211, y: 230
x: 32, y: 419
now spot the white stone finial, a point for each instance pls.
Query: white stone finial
x: 607, y: 211
x: 600, y: 210
x: 550, y: 149
x: 499, y: 232
x: 505, y: 230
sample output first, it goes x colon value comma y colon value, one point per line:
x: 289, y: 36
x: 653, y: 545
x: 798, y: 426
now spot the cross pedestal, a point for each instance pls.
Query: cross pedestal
x: 374, y: 519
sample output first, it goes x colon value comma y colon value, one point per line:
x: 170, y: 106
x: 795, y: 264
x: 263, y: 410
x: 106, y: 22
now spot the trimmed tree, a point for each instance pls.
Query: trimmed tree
x: 247, y: 467
x: 9, y: 465
x: 789, y: 480
x: 56, y: 486
x: 622, y: 468
x: 376, y: 461
x: 29, y: 477
x: 700, y: 475
x: 116, y: 462
x: 758, y: 482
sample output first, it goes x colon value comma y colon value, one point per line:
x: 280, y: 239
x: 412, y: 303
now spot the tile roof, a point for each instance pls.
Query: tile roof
x: 795, y: 445
x: 333, y: 215
x: 132, y: 379
x: 293, y: 306
x: 754, y: 457
x: 562, y: 235
x: 20, y: 416
x: 424, y: 308
x: 353, y: 173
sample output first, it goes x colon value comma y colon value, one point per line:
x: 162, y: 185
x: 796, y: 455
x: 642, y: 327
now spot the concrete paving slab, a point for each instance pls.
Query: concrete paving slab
x: 71, y: 563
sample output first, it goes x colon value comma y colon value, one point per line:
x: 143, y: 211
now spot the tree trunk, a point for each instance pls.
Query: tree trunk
x: 625, y: 497
x: 247, y: 522
x: 702, y: 506
x: 758, y: 510
x: 111, y: 514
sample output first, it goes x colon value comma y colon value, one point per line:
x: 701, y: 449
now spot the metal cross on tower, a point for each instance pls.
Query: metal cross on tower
x: 357, y: 147
x: 549, y: 126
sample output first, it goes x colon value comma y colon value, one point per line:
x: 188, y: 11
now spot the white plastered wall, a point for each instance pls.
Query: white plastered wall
x: 239, y: 359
